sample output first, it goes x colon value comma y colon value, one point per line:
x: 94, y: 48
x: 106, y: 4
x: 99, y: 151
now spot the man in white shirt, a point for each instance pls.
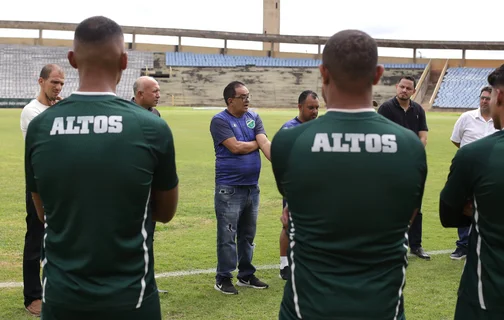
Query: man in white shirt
x: 471, y: 126
x: 51, y: 82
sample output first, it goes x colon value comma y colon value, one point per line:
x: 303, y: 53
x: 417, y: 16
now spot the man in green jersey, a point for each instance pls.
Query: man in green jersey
x: 472, y: 197
x: 349, y: 210
x: 93, y: 162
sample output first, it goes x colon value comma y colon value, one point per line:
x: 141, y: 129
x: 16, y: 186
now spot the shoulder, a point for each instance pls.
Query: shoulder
x: 387, y: 104
x: 252, y: 115
x: 30, y: 107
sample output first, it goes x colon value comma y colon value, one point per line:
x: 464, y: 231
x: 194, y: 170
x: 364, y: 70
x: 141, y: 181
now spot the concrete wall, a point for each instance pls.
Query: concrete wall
x: 269, y: 87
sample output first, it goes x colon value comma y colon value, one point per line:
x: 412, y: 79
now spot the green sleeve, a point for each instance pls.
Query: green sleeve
x: 165, y: 173
x: 456, y: 192
x: 281, y: 147
x: 31, y: 184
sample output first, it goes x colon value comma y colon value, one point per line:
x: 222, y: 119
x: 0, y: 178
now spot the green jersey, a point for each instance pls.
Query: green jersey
x: 94, y: 158
x: 477, y: 175
x: 352, y: 180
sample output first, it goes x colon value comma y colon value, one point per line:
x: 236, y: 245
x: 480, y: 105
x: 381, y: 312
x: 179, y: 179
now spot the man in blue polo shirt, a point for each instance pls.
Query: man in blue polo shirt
x: 238, y: 134
x: 308, y: 105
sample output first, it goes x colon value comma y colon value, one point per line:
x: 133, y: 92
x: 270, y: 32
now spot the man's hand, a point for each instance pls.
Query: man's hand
x: 285, y: 217
x: 53, y: 102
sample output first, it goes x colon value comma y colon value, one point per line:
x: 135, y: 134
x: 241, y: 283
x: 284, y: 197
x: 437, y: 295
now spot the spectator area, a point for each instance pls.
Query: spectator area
x: 189, y: 59
x: 20, y: 67
x: 461, y: 88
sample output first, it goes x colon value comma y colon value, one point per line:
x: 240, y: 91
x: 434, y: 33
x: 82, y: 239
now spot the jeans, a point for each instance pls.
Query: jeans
x: 32, y: 287
x: 463, y: 234
x: 236, y: 209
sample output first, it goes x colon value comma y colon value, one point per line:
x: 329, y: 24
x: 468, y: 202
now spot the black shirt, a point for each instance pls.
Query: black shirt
x: 413, y: 118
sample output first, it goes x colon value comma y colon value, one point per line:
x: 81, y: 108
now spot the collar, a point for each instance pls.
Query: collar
x: 86, y: 93
x: 369, y: 109
x: 479, y: 116
x: 396, y: 103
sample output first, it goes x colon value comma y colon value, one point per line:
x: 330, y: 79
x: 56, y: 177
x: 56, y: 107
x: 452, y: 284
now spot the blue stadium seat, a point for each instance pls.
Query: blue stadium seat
x: 179, y: 59
x: 461, y: 87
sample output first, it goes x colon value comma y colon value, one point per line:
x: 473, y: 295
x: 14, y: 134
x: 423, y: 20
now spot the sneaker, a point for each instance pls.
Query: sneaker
x: 458, y: 254
x: 226, y: 286
x: 285, y: 273
x: 251, y: 282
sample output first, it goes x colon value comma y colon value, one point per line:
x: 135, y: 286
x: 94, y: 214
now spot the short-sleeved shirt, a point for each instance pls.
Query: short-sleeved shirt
x: 471, y: 126
x: 94, y: 159
x: 413, y: 118
x: 291, y: 123
x: 352, y: 180
x: 477, y: 172
x: 236, y: 169
x: 30, y: 111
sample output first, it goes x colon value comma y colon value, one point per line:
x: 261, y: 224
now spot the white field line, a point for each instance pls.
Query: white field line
x: 183, y: 273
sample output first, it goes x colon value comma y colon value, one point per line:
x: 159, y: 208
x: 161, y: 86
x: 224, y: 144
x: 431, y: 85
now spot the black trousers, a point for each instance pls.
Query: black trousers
x: 415, y: 232
x: 31, y: 254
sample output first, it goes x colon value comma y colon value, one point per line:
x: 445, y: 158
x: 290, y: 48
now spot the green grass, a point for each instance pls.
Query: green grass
x: 188, y: 242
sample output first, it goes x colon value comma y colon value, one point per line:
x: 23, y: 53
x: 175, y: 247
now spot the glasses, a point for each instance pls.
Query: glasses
x: 244, y: 97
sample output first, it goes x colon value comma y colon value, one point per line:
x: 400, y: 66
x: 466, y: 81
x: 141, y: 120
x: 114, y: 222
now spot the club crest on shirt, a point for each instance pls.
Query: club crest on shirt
x: 250, y: 123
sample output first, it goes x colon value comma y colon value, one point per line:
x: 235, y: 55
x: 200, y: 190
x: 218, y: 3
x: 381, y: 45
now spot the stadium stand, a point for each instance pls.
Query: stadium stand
x: 190, y: 59
x: 460, y: 88
x: 20, y: 66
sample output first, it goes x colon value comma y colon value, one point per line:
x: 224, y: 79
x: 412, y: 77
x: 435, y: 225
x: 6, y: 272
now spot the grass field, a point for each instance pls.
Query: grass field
x: 188, y: 242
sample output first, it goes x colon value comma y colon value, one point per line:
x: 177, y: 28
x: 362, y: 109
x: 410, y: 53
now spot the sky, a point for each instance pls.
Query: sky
x: 383, y: 19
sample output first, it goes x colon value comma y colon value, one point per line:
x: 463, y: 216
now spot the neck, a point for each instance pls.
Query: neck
x: 485, y: 114
x: 300, y: 118
x: 42, y: 98
x: 97, y: 81
x: 234, y: 113
x: 343, y: 100
x: 403, y: 103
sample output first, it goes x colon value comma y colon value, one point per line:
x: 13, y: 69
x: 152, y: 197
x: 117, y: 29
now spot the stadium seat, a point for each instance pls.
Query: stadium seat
x: 460, y: 88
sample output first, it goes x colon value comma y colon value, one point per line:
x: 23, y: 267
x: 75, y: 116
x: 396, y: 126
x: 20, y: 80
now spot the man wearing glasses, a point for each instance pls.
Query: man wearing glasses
x: 471, y: 126
x: 238, y: 134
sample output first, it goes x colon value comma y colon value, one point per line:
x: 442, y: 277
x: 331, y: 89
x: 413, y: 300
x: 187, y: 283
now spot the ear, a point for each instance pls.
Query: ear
x: 40, y: 80
x: 124, y: 60
x: 378, y: 74
x: 300, y: 106
x: 324, y: 73
x: 71, y: 59
x: 500, y: 97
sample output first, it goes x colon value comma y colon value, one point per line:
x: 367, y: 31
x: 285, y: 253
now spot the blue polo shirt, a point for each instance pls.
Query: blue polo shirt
x: 291, y: 123
x: 236, y: 169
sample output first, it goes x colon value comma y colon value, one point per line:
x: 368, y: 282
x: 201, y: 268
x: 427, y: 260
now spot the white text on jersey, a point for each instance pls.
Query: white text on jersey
x: 81, y: 125
x: 373, y: 142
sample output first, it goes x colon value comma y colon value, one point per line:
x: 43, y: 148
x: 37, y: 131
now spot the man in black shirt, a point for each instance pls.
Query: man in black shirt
x: 409, y: 114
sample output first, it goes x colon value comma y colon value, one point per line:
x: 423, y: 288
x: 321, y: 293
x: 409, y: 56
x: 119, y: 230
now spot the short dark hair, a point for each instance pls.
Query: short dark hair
x: 304, y: 95
x: 410, y: 78
x: 230, y: 90
x: 496, y: 78
x: 351, y: 56
x: 486, y: 89
x: 97, y: 29
x: 47, y: 69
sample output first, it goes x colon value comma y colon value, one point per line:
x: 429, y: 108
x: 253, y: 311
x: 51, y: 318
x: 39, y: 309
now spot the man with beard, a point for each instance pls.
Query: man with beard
x: 471, y: 126
x: 51, y: 81
x: 472, y: 197
x: 308, y: 105
x: 409, y: 114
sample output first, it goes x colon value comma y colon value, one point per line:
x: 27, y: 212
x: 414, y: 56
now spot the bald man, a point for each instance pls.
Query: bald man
x: 348, y: 238
x: 147, y: 93
x: 95, y: 161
